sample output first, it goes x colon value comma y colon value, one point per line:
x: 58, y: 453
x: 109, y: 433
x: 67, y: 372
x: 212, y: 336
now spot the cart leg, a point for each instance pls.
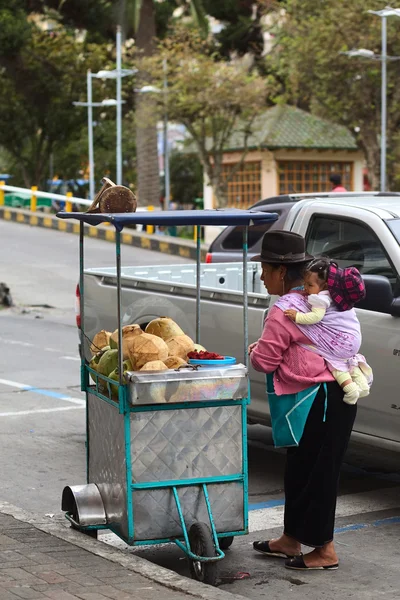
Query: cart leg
x: 225, y: 542
x: 202, y: 544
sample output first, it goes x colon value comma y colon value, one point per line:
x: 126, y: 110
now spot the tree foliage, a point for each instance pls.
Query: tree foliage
x: 40, y: 80
x: 316, y: 74
x: 211, y: 99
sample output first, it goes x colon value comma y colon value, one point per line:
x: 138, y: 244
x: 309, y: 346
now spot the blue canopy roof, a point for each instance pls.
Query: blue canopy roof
x: 175, y: 217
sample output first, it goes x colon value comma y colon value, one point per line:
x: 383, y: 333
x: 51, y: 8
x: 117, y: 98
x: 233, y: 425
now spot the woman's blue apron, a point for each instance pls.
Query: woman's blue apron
x: 289, y: 413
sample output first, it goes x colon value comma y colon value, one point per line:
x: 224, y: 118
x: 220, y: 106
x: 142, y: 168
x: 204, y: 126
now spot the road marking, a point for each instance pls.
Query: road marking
x: 50, y: 393
x: 348, y: 505
x: 30, y: 345
x: 40, y: 410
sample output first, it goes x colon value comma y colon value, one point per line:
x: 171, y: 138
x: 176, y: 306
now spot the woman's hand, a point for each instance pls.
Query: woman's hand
x: 251, y: 347
x: 291, y: 313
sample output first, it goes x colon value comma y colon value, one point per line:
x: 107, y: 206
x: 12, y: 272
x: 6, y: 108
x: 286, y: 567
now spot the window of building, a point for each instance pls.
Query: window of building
x: 244, y: 188
x: 297, y: 176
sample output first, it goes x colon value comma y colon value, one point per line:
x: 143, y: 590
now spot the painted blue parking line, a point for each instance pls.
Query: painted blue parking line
x: 43, y: 392
x: 351, y: 527
x: 268, y: 504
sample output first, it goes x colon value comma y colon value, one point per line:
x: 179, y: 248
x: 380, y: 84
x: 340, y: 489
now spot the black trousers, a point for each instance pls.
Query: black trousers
x: 313, y: 469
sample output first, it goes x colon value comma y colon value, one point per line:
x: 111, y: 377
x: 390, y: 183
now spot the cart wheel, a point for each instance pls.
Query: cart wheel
x: 225, y: 542
x: 201, y: 543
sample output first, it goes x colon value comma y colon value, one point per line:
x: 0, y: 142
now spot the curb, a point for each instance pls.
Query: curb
x: 138, y: 565
x: 165, y: 244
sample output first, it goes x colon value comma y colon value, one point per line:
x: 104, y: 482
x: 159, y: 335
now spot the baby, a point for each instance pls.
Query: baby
x: 336, y: 290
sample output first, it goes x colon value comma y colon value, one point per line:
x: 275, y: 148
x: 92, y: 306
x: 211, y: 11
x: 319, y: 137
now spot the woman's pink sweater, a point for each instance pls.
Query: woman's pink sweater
x: 278, y: 351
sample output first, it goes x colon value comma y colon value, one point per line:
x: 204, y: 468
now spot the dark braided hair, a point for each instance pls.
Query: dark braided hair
x: 320, y: 266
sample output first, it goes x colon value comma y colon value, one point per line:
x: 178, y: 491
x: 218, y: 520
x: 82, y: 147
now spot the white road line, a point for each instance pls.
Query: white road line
x: 348, y: 505
x: 70, y: 358
x: 42, y: 392
x: 30, y: 345
x: 39, y: 410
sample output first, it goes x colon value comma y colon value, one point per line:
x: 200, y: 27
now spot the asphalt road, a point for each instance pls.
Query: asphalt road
x: 42, y: 438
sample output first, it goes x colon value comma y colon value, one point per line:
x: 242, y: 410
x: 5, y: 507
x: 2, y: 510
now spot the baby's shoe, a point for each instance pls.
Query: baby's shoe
x: 351, y: 393
x: 360, y: 380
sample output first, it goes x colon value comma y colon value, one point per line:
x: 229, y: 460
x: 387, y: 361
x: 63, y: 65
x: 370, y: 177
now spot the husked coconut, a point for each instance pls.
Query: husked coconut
x: 173, y: 362
x: 128, y: 332
x: 154, y: 365
x: 101, y: 339
x: 145, y: 348
x: 180, y: 345
x: 164, y: 327
x: 199, y: 348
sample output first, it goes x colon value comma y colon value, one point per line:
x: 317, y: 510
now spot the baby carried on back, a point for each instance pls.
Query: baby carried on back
x: 326, y: 316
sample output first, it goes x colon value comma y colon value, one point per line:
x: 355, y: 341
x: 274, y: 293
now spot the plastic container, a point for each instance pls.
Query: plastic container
x: 223, y: 362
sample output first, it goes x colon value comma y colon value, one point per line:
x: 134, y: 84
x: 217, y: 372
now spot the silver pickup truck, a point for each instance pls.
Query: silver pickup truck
x: 359, y: 231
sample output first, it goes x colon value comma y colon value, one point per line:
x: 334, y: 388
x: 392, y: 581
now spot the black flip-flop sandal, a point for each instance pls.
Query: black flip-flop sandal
x: 264, y: 548
x: 297, y: 563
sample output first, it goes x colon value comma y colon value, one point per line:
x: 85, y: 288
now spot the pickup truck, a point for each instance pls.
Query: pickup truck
x: 357, y: 230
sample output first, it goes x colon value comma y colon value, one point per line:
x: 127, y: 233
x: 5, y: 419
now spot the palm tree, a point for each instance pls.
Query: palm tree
x: 141, y: 15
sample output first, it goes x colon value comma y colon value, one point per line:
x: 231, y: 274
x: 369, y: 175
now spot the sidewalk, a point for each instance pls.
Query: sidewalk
x: 42, y: 559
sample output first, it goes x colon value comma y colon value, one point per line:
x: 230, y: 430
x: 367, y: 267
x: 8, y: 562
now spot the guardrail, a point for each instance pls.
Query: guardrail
x: 33, y: 193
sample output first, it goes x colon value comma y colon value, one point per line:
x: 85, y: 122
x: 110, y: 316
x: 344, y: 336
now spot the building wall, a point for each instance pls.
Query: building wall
x: 269, y: 171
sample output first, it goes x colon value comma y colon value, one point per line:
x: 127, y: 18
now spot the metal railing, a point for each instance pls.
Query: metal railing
x: 33, y: 194
x: 70, y: 201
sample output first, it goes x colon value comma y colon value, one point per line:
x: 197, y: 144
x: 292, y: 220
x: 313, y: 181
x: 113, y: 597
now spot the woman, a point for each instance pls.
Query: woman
x: 312, y: 467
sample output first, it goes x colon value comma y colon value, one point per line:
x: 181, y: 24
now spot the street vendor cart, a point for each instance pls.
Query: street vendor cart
x: 166, y: 450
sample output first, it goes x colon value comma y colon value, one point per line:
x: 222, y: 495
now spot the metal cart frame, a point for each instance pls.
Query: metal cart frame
x: 86, y: 506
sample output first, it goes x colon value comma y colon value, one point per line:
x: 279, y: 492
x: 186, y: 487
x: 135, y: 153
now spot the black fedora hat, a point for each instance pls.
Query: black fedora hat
x: 283, y: 248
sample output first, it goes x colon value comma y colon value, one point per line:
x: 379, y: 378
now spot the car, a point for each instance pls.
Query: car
x: 227, y: 246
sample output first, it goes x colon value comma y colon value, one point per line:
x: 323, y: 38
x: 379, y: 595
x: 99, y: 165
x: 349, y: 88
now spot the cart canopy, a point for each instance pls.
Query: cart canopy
x: 175, y: 217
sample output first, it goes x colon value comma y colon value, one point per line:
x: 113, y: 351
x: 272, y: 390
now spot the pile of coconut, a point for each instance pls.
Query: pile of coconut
x: 163, y: 345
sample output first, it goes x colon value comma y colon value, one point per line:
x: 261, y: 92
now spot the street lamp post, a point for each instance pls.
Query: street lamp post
x: 90, y: 105
x: 384, y: 58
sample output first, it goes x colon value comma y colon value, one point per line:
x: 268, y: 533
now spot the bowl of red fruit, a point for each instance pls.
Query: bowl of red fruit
x: 204, y: 358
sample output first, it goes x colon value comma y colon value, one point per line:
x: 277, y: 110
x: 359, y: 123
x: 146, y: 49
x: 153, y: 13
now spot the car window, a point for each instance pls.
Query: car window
x: 233, y: 240
x: 350, y: 244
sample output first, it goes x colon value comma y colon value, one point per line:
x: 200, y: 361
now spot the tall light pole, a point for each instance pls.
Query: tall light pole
x: 89, y: 104
x: 384, y: 58
x: 165, y: 139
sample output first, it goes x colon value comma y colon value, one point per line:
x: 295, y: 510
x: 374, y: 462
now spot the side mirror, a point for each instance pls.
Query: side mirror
x: 395, y: 308
x: 379, y: 297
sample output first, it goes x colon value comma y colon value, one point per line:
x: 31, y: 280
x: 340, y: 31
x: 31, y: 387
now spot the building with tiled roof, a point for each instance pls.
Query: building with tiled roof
x: 289, y: 151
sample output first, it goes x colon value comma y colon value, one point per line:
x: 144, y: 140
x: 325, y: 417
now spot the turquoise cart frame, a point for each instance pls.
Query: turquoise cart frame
x: 209, y: 540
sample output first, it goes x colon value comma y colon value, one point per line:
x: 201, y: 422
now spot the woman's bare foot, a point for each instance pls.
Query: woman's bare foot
x: 285, y: 544
x: 322, y: 557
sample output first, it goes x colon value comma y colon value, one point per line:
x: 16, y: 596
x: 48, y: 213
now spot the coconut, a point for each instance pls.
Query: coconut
x: 101, y: 339
x: 115, y: 376
x: 128, y: 332
x: 180, y: 345
x: 108, y: 362
x: 145, y: 348
x: 164, y: 327
x: 154, y: 365
x: 199, y: 348
x: 94, y: 364
x: 173, y: 362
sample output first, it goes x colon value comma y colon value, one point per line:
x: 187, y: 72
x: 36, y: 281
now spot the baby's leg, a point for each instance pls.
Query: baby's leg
x: 361, y: 381
x: 350, y: 388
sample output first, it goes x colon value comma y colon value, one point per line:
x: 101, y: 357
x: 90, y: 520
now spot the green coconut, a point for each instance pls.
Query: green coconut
x: 108, y: 362
x: 115, y: 376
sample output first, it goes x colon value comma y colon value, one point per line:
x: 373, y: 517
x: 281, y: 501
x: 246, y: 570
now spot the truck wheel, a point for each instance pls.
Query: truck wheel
x: 226, y: 542
x: 202, y: 544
